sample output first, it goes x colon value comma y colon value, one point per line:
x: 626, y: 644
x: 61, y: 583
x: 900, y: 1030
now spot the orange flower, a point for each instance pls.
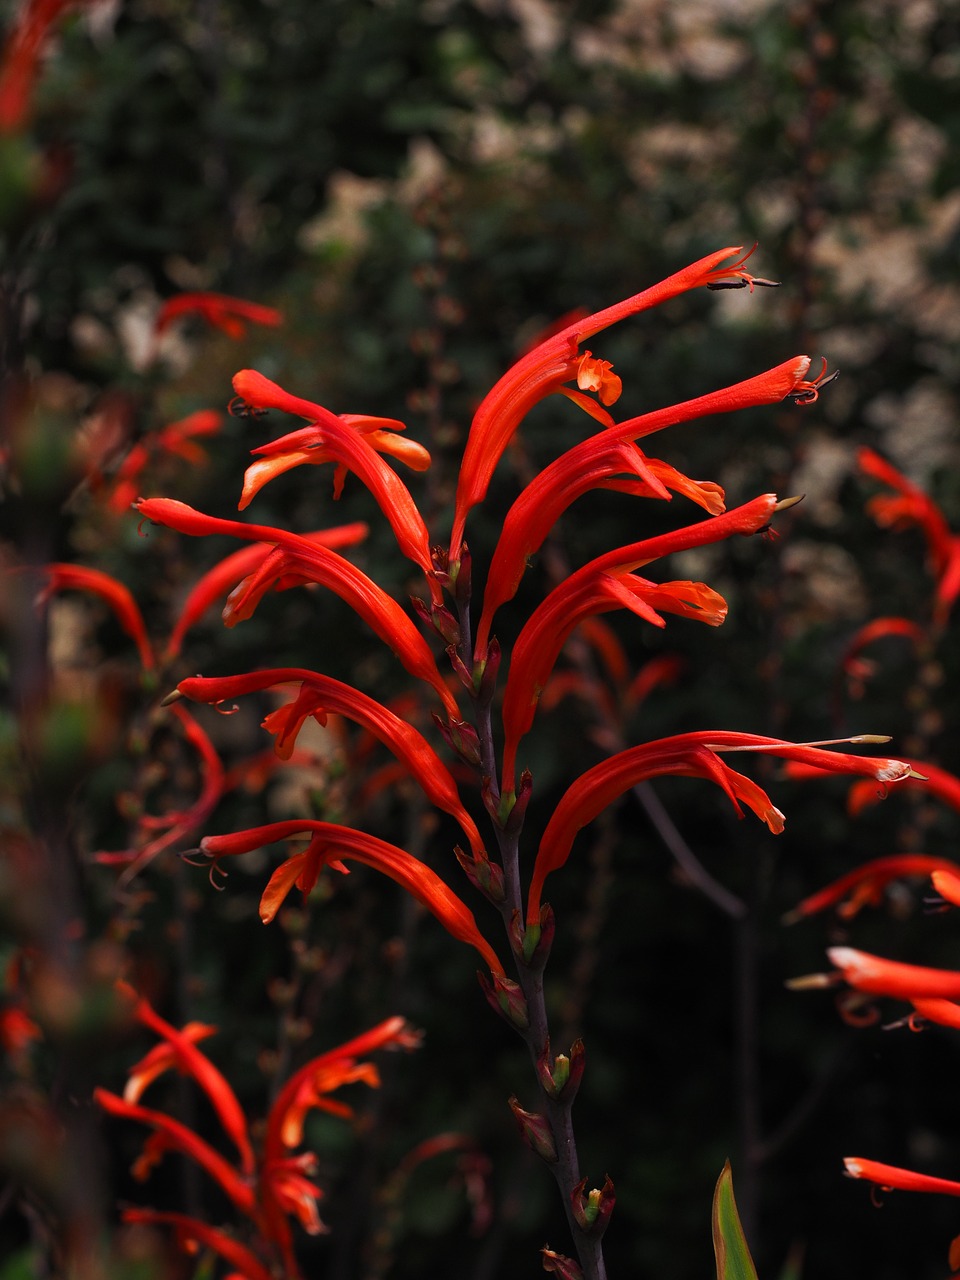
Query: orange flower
x: 609, y: 583
x: 880, y: 977
x: 559, y: 360
x: 335, y: 440
x: 329, y: 843
x: 305, y: 561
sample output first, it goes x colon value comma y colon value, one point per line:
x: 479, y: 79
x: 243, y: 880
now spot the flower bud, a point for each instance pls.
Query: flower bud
x: 560, y: 1076
x: 535, y: 1131
x: 483, y: 874
x: 485, y: 673
x: 531, y: 945
x: 506, y: 997
x: 560, y: 1266
x: 461, y: 737
x: 592, y: 1211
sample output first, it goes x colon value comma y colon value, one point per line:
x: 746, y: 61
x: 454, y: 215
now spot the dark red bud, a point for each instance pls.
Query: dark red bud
x: 560, y: 1266
x: 535, y: 1131
x: 483, y: 874
x: 592, y: 1211
x: 461, y: 581
x: 506, y: 997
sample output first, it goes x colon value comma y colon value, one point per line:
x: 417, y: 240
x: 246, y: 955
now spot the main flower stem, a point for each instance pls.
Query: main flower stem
x: 566, y: 1168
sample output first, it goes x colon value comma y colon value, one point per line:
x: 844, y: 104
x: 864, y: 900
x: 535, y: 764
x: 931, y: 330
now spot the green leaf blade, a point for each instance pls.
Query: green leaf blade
x: 729, y: 1242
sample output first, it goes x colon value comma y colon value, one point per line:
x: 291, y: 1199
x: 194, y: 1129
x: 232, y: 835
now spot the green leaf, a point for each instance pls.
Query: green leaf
x: 729, y: 1242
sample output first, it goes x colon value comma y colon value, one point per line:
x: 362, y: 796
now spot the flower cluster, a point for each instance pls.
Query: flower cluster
x: 471, y: 715
x: 266, y: 1189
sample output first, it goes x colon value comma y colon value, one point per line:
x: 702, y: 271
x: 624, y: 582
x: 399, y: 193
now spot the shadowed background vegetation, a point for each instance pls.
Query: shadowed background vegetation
x: 422, y: 186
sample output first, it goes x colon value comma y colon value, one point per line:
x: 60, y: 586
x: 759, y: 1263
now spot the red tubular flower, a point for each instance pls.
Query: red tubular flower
x: 74, y: 577
x: 890, y: 1177
x: 161, y: 1058
x: 913, y: 506
x: 20, y: 62
x: 684, y: 755
x: 308, y: 1088
x: 171, y: 1135
x: 344, y: 444
x: 177, y: 439
x: 593, y: 463
x: 558, y: 360
x: 864, y: 885
x: 880, y: 977
x: 857, y: 669
x: 945, y: 786
x: 319, y: 564
x: 191, y: 1231
x: 946, y: 881
x: 188, y: 1059
x: 929, y: 1009
x: 224, y: 575
x: 329, y: 844
x: 608, y: 583
x: 231, y: 315
x: 320, y: 694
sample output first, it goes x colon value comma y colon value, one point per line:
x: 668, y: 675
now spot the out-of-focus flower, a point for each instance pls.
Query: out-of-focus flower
x: 20, y: 60
x: 864, y: 885
x: 74, y: 577
x: 231, y: 315
x: 911, y: 506
x: 177, y: 439
x: 268, y: 1190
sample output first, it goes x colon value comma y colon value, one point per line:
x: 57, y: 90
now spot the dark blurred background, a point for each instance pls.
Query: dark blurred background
x: 421, y: 186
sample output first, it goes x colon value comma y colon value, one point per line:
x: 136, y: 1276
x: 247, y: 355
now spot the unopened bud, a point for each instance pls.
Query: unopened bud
x: 485, y: 673
x: 560, y: 1076
x: 461, y: 737
x: 535, y: 1131
x: 531, y: 944
x: 461, y: 579
x: 506, y: 997
x: 560, y: 1266
x: 513, y: 804
x: 592, y: 1211
x: 483, y: 874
